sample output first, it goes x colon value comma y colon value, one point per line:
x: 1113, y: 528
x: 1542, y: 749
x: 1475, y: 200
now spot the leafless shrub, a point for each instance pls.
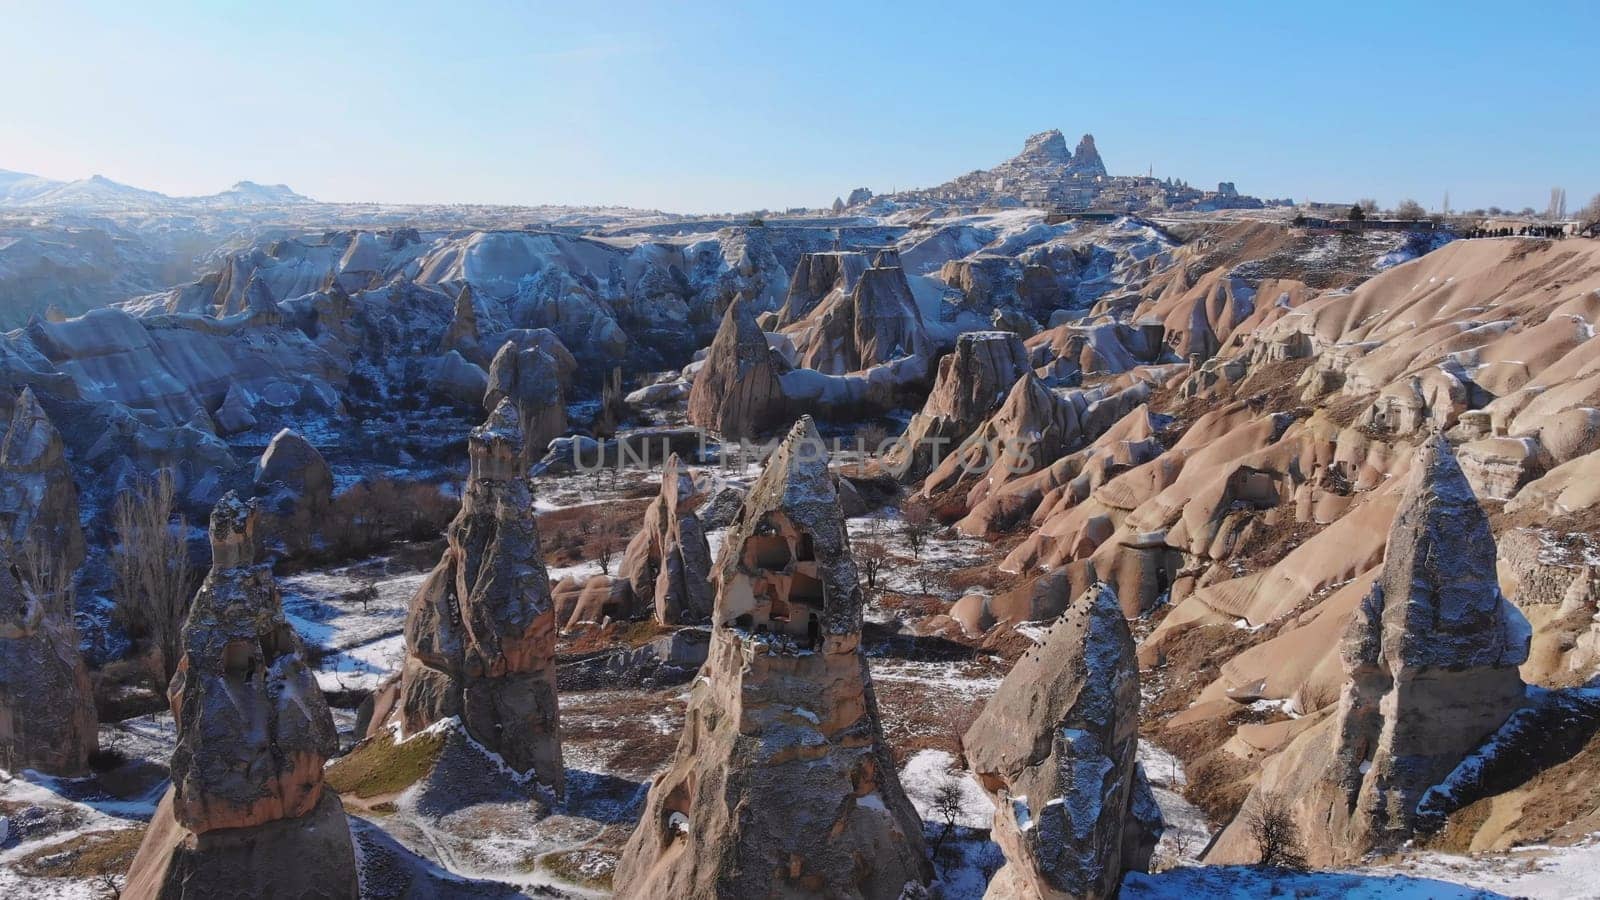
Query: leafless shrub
x: 1410, y: 210
x: 1277, y: 838
x: 931, y: 581
x: 916, y: 525
x: 152, y: 579
x: 606, y: 542
x: 1317, y: 695
x: 871, y: 440
x: 1175, y: 850
x: 1589, y: 216
x: 946, y: 805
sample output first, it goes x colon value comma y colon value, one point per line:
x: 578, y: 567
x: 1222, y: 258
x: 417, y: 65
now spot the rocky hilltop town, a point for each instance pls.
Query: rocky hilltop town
x: 1047, y: 174
x: 1044, y: 533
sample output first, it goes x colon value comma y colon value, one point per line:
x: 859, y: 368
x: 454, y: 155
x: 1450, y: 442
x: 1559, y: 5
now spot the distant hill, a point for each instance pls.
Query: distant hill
x: 19, y: 189
x: 1047, y: 173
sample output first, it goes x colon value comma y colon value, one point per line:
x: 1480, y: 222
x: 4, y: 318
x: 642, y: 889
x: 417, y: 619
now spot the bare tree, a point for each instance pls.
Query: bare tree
x: 1558, y: 204
x: 916, y: 525
x: 606, y: 542
x: 1590, y: 214
x: 1277, y: 838
x: 42, y: 567
x: 152, y: 578
x: 930, y: 579
x: 871, y: 437
x: 1367, y: 205
x: 947, y: 797
x: 871, y: 556
x: 1410, y: 210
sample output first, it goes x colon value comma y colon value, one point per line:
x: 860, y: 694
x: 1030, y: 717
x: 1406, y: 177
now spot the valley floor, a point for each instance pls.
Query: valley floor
x: 62, y: 838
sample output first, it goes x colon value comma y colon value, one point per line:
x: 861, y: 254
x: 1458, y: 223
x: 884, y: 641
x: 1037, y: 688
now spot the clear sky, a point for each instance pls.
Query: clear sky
x: 702, y: 107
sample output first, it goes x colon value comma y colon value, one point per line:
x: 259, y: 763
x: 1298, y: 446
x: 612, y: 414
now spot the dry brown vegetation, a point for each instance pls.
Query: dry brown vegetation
x: 913, y: 722
x: 92, y: 855
x: 1277, y: 838
x: 580, y: 533
x: 622, y: 727
x: 373, y: 514
x: 984, y: 576
x: 588, y: 638
x: 1342, y: 409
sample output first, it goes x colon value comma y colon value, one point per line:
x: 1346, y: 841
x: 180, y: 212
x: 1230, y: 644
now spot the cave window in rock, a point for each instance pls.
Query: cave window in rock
x: 780, y: 586
x: 675, y: 812
x: 239, y: 660
x: 767, y: 551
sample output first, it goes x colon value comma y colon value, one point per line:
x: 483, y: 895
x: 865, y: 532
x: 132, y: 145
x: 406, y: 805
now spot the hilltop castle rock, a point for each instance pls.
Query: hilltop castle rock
x: 247, y: 814
x: 782, y: 784
x: 1047, y: 173
x: 480, y: 633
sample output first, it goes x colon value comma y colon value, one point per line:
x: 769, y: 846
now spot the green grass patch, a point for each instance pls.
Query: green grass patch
x: 381, y: 766
x: 84, y: 856
x: 585, y: 867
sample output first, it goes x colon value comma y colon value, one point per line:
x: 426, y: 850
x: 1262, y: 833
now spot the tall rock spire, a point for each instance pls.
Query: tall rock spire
x: 462, y: 335
x: 737, y: 393
x: 782, y: 784
x: 1057, y: 748
x: 1431, y: 659
x: 47, y: 715
x: 532, y: 379
x: 668, y: 563
x: 480, y: 634
x: 248, y: 814
x: 972, y: 381
x: 38, y: 499
x: 1087, y: 160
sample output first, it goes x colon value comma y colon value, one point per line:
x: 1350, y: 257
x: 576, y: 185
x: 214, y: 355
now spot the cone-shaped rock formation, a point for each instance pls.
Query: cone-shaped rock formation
x: 38, y: 500
x: 737, y: 393
x: 971, y: 382
x: 247, y: 814
x: 876, y: 322
x: 296, y: 487
x: 1057, y: 749
x: 668, y: 563
x: 782, y: 784
x: 1430, y: 658
x: 462, y: 334
x: 531, y: 378
x: 480, y: 635
x: 47, y: 716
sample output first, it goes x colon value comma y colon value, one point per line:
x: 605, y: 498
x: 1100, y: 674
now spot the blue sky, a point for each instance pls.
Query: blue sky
x: 701, y: 107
